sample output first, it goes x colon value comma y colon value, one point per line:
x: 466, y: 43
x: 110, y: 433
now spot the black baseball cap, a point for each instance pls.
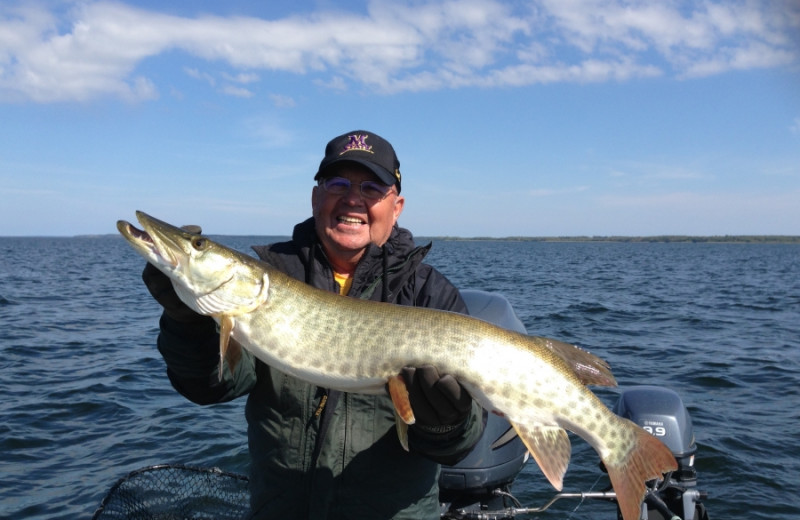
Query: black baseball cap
x: 367, y: 149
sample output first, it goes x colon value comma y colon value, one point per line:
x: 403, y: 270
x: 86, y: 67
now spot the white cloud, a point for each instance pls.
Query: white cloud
x: 96, y: 48
x: 204, y: 76
x: 282, y: 101
x: 334, y: 83
x: 235, y: 91
x: 755, y: 56
x: 243, y: 78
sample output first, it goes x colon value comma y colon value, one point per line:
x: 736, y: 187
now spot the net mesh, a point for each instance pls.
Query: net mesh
x: 176, y: 492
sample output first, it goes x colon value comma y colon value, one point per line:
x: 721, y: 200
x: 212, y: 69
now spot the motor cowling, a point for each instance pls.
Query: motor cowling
x: 661, y: 412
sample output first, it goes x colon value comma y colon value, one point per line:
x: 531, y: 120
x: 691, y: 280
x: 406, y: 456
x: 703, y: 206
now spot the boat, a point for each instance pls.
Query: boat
x: 479, y: 487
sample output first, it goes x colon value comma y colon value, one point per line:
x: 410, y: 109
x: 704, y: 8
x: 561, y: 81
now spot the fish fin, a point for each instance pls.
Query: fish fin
x: 550, y: 448
x: 233, y: 355
x: 225, y: 328
x: 403, y: 414
x: 399, y: 393
x: 590, y: 369
x: 648, y: 459
x: 402, y: 430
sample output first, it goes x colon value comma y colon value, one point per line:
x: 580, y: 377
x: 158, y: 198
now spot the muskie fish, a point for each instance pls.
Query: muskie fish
x: 348, y: 344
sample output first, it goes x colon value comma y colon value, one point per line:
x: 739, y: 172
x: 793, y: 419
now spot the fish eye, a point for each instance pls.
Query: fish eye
x: 200, y: 243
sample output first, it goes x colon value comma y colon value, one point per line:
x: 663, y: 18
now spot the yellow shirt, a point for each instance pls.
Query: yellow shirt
x: 344, y: 282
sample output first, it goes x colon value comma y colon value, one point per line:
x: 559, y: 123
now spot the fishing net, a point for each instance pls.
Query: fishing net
x: 176, y: 492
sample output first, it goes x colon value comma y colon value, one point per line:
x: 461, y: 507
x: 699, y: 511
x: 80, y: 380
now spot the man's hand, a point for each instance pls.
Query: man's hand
x: 439, y: 402
x: 161, y: 290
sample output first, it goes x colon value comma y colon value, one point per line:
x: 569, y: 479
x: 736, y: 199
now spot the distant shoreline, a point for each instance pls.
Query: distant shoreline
x: 677, y: 239
x: 722, y: 239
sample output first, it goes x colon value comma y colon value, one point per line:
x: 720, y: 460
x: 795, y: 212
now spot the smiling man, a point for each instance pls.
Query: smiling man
x: 315, y: 452
x: 357, y: 201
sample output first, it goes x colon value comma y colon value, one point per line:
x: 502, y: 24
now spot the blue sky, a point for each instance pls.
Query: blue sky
x: 537, y: 118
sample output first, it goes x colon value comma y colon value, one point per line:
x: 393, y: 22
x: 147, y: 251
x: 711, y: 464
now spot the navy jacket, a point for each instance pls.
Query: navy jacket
x: 317, y: 453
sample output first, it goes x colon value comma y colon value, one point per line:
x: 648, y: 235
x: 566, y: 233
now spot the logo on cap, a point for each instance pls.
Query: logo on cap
x: 357, y: 142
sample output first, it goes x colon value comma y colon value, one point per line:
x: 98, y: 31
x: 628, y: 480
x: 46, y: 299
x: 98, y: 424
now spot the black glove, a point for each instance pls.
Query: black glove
x: 440, y: 403
x: 161, y: 289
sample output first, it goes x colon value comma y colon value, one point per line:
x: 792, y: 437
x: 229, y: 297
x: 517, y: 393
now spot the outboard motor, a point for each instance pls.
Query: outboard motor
x: 661, y: 412
x: 482, y: 480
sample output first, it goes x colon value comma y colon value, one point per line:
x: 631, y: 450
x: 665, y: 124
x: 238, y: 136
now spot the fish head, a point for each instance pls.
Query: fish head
x: 207, y: 276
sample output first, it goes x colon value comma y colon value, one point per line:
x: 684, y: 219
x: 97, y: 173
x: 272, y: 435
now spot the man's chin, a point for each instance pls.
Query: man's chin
x: 350, y: 239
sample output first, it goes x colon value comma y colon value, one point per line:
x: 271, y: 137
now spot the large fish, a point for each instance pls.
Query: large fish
x: 348, y: 344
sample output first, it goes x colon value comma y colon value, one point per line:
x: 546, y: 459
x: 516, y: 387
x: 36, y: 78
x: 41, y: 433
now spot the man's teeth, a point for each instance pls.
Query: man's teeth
x: 350, y: 220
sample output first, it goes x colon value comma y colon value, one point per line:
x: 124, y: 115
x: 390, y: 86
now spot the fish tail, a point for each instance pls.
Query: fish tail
x: 648, y: 459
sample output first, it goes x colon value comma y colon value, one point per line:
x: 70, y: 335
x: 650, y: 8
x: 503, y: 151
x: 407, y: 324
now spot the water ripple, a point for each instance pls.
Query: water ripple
x: 86, y: 398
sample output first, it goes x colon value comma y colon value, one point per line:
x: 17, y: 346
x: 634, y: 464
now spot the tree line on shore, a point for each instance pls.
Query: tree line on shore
x: 726, y: 239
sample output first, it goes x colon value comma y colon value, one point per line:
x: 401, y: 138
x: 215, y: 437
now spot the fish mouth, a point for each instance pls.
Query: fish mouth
x: 149, y: 243
x: 129, y: 230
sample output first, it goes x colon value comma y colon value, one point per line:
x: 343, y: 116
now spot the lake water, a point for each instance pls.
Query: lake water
x: 85, y: 398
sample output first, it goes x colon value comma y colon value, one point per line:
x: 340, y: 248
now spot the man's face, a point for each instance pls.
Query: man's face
x: 348, y: 223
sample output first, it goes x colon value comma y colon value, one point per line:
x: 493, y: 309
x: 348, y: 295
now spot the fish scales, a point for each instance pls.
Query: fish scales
x: 504, y: 375
x: 354, y: 345
x: 351, y: 345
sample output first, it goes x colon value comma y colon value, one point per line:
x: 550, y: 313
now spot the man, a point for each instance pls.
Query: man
x: 318, y: 453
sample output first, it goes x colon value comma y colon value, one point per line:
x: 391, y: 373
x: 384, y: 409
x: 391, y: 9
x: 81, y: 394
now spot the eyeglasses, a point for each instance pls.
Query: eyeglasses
x: 370, y: 190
